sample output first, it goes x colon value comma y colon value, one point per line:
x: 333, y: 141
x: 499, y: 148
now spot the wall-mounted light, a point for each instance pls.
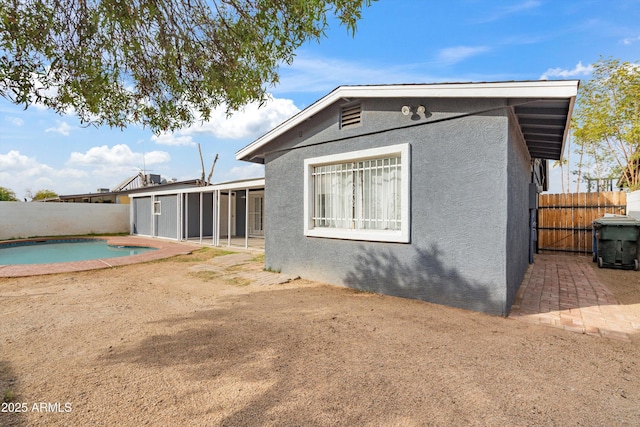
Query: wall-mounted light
x: 415, y: 112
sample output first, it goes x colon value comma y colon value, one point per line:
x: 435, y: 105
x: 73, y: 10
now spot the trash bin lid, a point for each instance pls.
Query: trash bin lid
x: 623, y: 220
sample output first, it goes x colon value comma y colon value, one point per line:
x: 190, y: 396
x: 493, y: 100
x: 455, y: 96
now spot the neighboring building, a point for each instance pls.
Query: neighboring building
x: 418, y: 191
x: 120, y: 194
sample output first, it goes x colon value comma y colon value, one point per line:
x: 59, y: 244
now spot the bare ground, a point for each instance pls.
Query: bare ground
x: 164, y: 343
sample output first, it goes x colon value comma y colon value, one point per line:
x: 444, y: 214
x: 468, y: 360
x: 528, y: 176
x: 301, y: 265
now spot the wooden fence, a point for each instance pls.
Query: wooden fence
x: 564, y: 220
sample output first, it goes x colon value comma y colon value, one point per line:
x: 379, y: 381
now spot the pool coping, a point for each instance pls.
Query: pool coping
x: 164, y: 249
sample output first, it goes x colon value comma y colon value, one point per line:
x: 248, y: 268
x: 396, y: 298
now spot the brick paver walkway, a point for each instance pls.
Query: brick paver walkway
x: 564, y: 292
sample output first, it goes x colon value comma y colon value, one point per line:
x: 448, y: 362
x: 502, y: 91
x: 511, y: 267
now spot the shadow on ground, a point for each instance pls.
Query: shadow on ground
x: 10, y: 400
x: 424, y: 276
x: 328, y: 356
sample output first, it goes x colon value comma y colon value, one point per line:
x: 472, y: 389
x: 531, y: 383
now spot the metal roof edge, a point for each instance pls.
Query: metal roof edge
x: 232, y: 185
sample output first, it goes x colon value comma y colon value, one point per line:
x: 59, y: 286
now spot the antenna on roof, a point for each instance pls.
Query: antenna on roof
x: 144, y: 164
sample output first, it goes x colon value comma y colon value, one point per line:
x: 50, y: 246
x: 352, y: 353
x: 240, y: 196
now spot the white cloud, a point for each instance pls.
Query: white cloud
x: 116, y: 163
x: 16, y: 121
x: 253, y: 170
x: 249, y: 123
x: 578, y: 70
x: 20, y: 172
x: 62, y: 128
x: 15, y: 163
x: 154, y: 157
x: 118, y: 155
x: 173, y: 139
x: 631, y: 40
x: 39, y: 88
x: 510, y: 10
x: 453, y: 55
x: 321, y: 75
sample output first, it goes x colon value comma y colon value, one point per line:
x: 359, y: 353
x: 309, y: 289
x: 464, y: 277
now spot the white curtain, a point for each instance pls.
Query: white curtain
x: 358, y: 195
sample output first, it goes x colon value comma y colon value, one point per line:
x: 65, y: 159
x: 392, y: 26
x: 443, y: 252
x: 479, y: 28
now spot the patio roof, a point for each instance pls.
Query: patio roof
x: 543, y: 109
x: 243, y: 184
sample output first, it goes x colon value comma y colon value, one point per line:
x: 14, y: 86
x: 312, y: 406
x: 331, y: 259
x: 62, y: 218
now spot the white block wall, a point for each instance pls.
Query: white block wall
x: 633, y: 204
x: 32, y: 219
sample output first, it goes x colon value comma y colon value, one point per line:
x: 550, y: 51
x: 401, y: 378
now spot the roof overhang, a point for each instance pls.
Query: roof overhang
x: 544, y: 124
x: 245, y: 184
x: 543, y: 117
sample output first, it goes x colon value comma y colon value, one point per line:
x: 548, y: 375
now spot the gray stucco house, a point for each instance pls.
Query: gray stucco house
x: 423, y: 191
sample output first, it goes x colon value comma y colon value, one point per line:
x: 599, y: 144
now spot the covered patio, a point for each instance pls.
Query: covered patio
x: 225, y: 214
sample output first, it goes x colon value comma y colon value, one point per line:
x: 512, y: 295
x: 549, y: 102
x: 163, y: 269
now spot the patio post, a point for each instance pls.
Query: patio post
x: 201, y: 216
x: 246, y: 218
x: 218, y: 219
x: 186, y: 216
x: 229, y: 218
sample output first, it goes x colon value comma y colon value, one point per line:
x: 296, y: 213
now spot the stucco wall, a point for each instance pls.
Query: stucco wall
x: 22, y: 220
x: 457, y: 252
x: 518, y: 232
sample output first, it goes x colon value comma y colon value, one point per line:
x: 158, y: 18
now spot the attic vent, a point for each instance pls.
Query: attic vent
x: 350, y: 116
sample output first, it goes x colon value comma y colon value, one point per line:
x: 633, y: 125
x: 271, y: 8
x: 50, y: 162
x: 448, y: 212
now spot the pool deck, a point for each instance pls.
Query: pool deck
x: 165, y: 249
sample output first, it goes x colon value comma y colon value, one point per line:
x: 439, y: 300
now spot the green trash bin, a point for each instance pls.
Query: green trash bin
x: 615, y: 242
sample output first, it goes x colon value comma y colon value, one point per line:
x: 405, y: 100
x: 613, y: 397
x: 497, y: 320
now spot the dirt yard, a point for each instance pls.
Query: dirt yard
x: 176, y: 343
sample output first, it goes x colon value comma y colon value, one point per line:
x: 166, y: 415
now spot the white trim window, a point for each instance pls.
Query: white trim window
x: 359, y: 195
x: 157, y: 207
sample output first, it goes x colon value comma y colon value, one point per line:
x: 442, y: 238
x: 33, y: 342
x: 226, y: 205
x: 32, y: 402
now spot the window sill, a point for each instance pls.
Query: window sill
x: 362, y: 235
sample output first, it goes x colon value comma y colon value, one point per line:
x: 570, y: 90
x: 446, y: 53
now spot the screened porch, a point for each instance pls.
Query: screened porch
x: 226, y: 214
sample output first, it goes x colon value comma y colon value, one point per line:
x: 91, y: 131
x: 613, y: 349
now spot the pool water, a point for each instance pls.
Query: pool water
x: 53, y: 251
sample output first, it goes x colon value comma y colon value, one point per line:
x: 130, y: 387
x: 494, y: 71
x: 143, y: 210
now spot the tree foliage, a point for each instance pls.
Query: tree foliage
x: 43, y: 194
x: 161, y: 63
x: 607, y: 121
x: 7, y: 195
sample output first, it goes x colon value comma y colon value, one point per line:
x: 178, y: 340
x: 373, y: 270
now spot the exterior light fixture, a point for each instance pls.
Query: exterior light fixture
x: 417, y: 111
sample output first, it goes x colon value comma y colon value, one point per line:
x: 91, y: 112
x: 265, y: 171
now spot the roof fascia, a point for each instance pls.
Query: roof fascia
x: 523, y: 89
x: 241, y: 185
x: 567, y: 126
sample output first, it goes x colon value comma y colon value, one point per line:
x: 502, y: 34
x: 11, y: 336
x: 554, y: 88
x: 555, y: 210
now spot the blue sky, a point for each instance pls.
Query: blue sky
x: 397, y: 41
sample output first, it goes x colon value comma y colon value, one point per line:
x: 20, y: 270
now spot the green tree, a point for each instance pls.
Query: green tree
x: 42, y: 194
x: 7, y: 195
x: 607, y: 121
x: 162, y: 63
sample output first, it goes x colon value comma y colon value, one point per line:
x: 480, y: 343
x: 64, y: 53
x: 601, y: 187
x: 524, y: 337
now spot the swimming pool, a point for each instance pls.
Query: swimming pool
x: 63, y: 250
